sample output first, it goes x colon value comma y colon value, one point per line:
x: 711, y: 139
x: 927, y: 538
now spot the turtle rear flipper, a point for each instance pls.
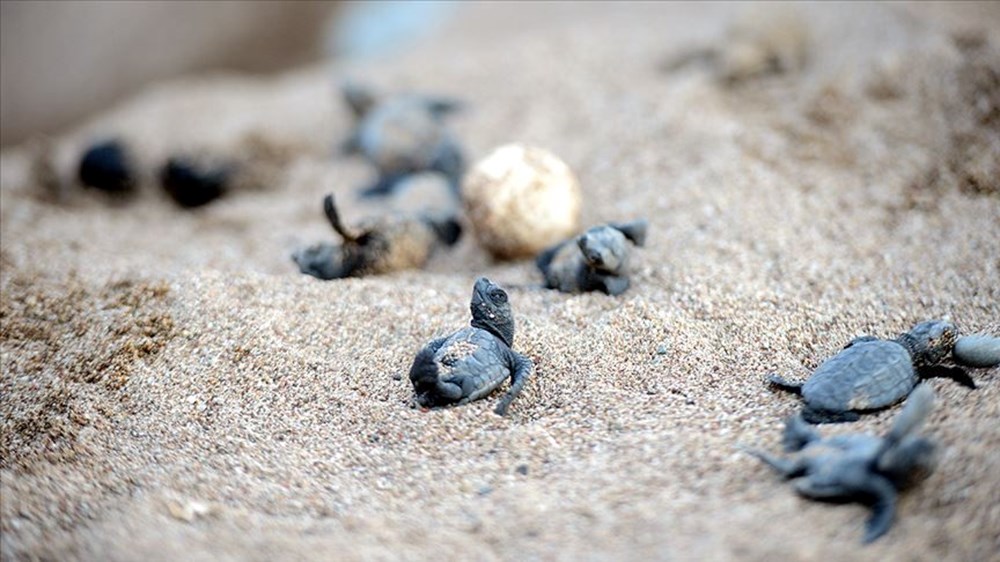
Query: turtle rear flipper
x: 330, y: 209
x: 787, y: 468
x: 425, y: 376
x: 797, y: 434
x: 817, y: 416
x: 634, y: 231
x: 782, y: 383
x: 860, y: 339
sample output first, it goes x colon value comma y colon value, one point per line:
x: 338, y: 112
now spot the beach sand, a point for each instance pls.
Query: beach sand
x: 173, y: 388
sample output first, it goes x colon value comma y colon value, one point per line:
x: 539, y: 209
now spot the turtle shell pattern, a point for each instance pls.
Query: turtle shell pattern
x: 474, y: 360
x: 865, y: 376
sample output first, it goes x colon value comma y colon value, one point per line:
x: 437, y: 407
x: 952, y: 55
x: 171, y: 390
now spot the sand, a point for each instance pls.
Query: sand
x: 173, y: 388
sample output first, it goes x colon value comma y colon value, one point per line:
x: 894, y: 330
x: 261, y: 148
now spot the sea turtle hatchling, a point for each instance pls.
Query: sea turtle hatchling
x: 472, y: 362
x: 402, y: 135
x: 860, y: 466
x: 596, y: 260
x: 379, y: 245
x: 872, y: 373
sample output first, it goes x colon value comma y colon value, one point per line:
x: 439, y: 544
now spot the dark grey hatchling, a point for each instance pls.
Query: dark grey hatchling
x: 872, y: 373
x: 860, y: 467
x: 378, y: 245
x: 597, y: 260
x: 401, y: 136
x: 472, y: 362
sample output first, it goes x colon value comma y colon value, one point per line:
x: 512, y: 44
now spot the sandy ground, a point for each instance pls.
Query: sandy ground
x: 173, y: 388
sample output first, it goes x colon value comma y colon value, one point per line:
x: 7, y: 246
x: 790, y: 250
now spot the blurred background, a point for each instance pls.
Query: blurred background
x: 61, y: 61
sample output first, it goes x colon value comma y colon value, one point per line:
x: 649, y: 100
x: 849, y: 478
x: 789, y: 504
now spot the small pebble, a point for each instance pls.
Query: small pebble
x: 977, y: 350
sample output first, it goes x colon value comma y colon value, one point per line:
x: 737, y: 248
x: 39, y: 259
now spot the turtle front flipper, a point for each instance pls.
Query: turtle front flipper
x: 634, y: 230
x: 441, y: 106
x: 797, y: 434
x: 957, y: 374
x: 883, y: 508
x: 787, y: 468
x: 522, y: 368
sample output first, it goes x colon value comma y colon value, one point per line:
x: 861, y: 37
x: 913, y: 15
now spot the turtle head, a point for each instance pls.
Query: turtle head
x: 604, y: 249
x: 930, y: 342
x: 491, y: 310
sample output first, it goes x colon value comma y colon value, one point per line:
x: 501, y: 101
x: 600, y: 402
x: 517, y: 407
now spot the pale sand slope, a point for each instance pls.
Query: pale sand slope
x: 173, y: 389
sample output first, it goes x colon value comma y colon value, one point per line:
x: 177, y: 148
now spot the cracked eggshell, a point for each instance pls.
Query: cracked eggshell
x: 521, y: 200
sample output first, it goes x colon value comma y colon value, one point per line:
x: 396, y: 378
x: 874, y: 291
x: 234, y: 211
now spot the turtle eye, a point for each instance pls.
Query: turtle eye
x: 498, y: 296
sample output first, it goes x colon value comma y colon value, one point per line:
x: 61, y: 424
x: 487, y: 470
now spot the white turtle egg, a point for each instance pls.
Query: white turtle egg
x: 521, y: 200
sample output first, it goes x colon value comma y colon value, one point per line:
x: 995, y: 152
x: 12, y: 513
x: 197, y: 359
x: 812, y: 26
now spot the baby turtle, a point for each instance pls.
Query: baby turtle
x: 401, y: 136
x: 107, y: 166
x: 859, y: 466
x: 193, y: 184
x: 871, y: 373
x: 474, y: 361
x: 379, y: 245
x: 596, y: 260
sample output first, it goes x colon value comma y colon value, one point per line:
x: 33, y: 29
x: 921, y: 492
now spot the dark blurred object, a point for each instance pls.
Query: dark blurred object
x: 106, y: 166
x: 402, y: 135
x: 191, y: 184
